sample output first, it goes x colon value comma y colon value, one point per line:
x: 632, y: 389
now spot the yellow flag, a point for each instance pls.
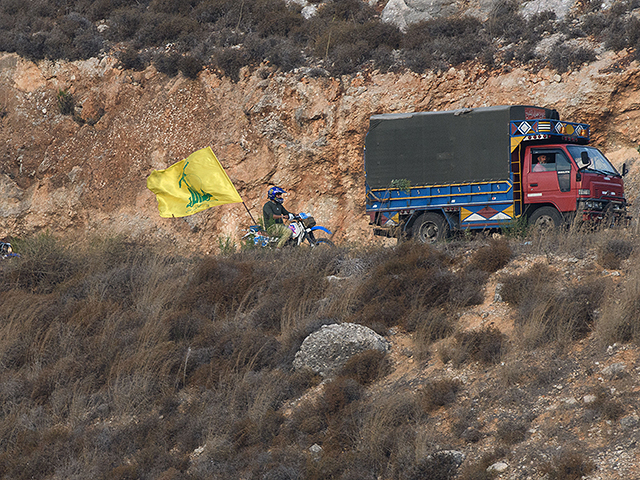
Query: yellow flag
x: 192, y: 185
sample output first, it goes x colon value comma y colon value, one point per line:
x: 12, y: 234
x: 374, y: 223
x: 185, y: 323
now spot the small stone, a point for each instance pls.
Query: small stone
x: 498, y: 467
x: 630, y: 421
x: 315, y: 449
x: 589, y: 399
x: 615, y: 369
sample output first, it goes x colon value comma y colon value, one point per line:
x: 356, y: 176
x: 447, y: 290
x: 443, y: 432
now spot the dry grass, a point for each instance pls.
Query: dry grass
x: 121, y: 361
x: 568, y: 465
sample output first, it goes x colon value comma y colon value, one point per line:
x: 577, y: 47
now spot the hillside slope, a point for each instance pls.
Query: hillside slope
x: 124, y: 361
x: 302, y: 131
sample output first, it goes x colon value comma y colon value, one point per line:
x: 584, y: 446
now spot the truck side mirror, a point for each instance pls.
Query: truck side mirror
x: 625, y: 169
x: 584, y: 160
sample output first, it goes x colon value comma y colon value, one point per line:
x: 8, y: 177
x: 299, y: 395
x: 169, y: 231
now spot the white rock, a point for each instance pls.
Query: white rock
x: 498, y: 467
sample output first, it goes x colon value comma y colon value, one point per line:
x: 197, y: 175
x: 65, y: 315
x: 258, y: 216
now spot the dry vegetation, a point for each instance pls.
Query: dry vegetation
x: 121, y: 361
x: 343, y: 37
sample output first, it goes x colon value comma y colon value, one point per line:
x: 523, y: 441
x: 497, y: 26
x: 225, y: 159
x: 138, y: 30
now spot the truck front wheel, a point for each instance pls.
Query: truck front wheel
x: 545, y: 219
x: 430, y: 228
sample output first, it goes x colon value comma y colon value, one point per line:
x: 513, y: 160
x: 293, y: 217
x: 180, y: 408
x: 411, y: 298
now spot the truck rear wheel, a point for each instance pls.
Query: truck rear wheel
x: 545, y: 219
x: 430, y: 227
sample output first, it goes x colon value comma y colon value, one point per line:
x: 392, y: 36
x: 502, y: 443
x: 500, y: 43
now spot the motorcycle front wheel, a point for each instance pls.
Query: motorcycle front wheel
x: 324, y: 242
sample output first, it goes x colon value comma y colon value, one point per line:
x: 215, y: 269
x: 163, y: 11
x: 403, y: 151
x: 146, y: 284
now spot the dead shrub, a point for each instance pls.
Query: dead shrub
x: 568, y: 465
x: 439, y: 393
x: 613, y: 252
x: 46, y: 263
x: 429, y: 326
x: 366, y: 367
x: 442, y: 42
x: 307, y: 418
x: 478, y: 469
x: 130, y: 59
x: 492, y: 257
x: 549, y: 311
x: 190, y: 66
x: 437, y: 466
x: 486, y: 346
x: 617, y: 321
x: 563, y: 316
x: 219, y: 284
x: 413, y: 277
x: 511, y: 432
x: 605, y: 405
x: 564, y: 57
x: 167, y: 63
x: 230, y: 61
x: 505, y: 20
x: 339, y: 393
x: 537, y: 281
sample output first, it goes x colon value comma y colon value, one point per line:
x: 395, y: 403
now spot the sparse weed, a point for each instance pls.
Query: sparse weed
x: 226, y: 245
x: 66, y: 102
x: 568, y: 465
x: 605, y: 405
x: 517, y: 228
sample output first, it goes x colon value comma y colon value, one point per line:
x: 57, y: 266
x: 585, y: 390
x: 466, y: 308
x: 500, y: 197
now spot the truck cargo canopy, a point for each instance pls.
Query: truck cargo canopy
x: 432, y: 148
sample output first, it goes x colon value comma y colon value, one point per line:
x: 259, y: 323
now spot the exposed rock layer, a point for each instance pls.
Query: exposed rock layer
x: 300, y: 131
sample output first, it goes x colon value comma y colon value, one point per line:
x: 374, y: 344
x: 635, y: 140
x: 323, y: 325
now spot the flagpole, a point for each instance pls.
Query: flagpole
x: 247, y: 208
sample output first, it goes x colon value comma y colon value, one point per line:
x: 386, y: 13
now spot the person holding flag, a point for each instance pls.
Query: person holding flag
x: 274, y: 214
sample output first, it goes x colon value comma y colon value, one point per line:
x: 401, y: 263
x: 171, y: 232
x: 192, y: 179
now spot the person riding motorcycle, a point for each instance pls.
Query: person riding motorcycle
x: 274, y: 215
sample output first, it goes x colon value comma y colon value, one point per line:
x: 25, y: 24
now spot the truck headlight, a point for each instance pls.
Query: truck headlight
x: 584, y: 191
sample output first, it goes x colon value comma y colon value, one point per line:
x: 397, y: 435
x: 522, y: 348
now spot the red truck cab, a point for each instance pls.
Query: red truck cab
x: 571, y: 181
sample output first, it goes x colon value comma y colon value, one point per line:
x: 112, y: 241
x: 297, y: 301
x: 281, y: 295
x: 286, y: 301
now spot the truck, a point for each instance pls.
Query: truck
x: 430, y: 173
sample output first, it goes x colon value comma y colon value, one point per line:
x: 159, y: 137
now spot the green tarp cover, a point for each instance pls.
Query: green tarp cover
x: 435, y: 148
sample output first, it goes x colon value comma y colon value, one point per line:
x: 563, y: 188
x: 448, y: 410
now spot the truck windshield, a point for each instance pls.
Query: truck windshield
x: 599, y: 162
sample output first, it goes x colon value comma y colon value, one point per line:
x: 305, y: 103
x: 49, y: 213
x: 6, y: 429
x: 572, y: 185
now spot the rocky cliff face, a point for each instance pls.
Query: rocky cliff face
x: 302, y: 131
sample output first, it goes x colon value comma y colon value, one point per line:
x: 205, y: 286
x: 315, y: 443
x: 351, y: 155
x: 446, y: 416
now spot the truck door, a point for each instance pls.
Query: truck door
x: 548, y: 178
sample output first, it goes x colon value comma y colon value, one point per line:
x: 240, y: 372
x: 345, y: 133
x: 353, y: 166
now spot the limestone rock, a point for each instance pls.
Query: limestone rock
x: 328, y: 349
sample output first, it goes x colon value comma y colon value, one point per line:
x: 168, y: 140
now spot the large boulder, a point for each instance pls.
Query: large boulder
x: 328, y: 349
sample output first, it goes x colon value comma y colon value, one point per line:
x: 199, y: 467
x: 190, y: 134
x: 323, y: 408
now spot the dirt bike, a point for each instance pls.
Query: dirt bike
x: 6, y: 251
x: 302, y: 227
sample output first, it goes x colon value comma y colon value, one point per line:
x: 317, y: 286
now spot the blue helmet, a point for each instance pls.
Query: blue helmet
x: 273, y: 191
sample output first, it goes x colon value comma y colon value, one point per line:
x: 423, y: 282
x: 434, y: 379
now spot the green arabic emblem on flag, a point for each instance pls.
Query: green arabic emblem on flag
x: 193, y: 184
